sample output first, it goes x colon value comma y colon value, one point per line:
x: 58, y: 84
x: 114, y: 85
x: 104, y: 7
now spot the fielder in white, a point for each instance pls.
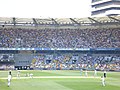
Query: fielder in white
x: 9, y: 78
x: 31, y: 75
x: 103, y: 81
x: 95, y: 73
x: 86, y: 74
x: 81, y: 72
x: 18, y: 74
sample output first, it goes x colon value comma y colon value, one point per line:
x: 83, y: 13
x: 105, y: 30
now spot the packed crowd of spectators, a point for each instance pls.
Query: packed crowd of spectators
x: 77, y: 62
x: 6, y: 66
x: 65, y: 38
x: 60, y: 38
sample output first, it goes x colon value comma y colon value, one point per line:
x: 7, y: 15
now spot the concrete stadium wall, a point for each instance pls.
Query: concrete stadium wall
x: 23, y: 59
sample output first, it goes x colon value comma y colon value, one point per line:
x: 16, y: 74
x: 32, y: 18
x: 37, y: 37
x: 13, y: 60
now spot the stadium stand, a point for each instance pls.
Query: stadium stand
x: 89, y: 43
x: 82, y: 61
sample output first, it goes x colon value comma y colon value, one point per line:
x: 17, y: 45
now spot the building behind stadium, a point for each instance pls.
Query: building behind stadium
x: 105, y: 7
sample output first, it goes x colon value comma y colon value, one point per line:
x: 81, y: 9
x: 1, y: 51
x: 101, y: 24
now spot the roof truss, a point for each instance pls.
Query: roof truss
x: 56, y: 23
x: 35, y: 22
x: 91, y: 19
x: 74, y: 21
x: 114, y: 18
x: 14, y: 20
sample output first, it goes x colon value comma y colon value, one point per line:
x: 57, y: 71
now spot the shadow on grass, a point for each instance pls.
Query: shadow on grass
x: 3, y: 85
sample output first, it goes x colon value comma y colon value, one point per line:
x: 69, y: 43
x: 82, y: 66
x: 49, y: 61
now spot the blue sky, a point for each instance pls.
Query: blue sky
x: 45, y: 8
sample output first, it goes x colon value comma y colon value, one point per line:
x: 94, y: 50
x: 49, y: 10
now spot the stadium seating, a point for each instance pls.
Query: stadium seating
x: 60, y: 62
x: 65, y: 38
x: 60, y: 38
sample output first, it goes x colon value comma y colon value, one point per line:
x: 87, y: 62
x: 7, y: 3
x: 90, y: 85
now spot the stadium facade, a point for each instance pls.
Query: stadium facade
x: 105, y: 7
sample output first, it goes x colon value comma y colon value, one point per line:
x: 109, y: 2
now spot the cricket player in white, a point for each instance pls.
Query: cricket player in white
x: 86, y: 74
x: 95, y: 73
x: 18, y: 74
x: 9, y: 77
x: 103, y: 81
x: 81, y: 72
x: 31, y: 75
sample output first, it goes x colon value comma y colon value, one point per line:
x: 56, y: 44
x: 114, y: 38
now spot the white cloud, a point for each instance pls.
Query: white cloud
x: 45, y: 8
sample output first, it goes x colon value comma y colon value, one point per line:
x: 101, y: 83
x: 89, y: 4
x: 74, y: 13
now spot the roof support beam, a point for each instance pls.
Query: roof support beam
x: 114, y: 18
x: 74, y: 21
x: 56, y: 23
x: 35, y: 22
x: 94, y: 20
x: 14, y: 21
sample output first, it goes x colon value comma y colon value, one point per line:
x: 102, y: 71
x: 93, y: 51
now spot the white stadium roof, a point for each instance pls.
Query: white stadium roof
x: 59, y: 21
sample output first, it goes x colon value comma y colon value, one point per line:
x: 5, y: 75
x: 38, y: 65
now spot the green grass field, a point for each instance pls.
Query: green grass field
x: 59, y: 80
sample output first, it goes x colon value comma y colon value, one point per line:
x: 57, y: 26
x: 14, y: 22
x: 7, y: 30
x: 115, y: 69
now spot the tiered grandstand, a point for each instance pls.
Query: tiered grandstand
x: 60, y: 43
